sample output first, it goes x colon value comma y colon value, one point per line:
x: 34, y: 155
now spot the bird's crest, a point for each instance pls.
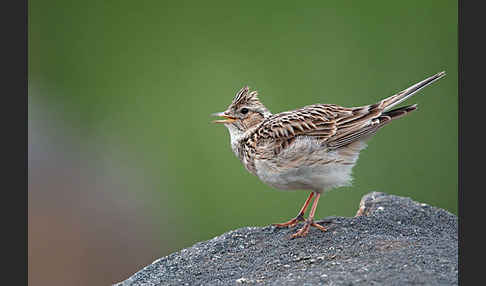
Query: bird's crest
x: 244, y: 96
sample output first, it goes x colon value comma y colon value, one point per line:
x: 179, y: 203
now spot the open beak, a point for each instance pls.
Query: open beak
x: 229, y: 119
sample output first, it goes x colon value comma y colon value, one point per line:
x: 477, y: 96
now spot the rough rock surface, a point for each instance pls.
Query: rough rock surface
x: 391, y: 241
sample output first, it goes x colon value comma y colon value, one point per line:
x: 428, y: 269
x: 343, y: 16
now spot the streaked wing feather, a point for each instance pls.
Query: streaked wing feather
x: 369, y: 129
x: 314, y: 120
x: 334, y: 125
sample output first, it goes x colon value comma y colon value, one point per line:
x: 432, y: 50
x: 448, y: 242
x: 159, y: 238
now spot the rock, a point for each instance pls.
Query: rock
x: 391, y: 241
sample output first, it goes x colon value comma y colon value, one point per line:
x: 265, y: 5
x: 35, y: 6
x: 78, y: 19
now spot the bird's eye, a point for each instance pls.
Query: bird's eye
x: 244, y: 110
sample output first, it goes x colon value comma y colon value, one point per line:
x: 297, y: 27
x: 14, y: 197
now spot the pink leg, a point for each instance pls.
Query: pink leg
x: 310, y: 220
x: 299, y: 217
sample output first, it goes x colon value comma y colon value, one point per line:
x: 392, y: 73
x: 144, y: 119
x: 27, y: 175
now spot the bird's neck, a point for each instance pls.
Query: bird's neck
x: 236, y: 135
x: 239, y: 137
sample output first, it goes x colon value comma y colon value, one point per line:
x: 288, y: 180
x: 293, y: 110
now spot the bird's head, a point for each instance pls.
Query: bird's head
x: 244, y: 112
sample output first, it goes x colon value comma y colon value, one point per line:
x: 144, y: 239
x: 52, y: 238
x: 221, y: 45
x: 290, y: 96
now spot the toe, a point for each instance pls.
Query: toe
x: 319, y: 226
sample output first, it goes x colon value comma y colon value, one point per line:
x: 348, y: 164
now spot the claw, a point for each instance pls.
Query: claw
x: 305, y: 229
x: 300, y: 217
x: 291, y: 223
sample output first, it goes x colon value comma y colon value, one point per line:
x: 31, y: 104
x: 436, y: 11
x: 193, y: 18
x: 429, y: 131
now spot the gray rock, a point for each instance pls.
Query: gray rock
x: 391, y: 241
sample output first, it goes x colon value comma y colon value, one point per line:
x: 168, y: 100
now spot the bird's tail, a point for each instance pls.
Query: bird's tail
x: 389, y: 102
x: 370, y: 118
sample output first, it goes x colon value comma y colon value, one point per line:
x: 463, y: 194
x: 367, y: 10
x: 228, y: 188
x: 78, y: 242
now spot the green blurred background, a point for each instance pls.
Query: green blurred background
x: 126, y: 89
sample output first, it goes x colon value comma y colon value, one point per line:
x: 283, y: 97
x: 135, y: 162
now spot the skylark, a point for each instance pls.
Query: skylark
x: 312, y: 148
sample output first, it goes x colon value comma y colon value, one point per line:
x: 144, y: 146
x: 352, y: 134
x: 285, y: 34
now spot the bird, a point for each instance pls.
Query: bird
x: 313, y: 148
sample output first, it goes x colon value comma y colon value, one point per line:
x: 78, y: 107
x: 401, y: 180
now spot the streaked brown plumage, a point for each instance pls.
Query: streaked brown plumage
x: 311, y: 148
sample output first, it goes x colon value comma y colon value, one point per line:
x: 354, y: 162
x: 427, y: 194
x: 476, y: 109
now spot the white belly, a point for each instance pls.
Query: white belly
x: 316, y: 178
x: 308, y: 166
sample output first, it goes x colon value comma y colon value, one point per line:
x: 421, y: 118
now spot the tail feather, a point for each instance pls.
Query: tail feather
x: 370, y: 129
x: 399, y: 112
x: 367, y: 120
x: 389, y: 102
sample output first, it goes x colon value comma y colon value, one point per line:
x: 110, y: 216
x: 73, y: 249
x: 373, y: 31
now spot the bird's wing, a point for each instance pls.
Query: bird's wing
x: 314, y: 120
x: 334, y: 125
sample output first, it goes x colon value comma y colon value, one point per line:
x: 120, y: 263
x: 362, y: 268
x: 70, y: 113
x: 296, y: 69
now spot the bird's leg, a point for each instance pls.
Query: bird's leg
x: 299, y: 217
x: 310, y: 220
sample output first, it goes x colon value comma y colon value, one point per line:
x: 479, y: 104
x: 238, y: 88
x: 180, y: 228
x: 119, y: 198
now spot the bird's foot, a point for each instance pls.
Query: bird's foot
x: 291, y: 223
x: 305, y: 229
